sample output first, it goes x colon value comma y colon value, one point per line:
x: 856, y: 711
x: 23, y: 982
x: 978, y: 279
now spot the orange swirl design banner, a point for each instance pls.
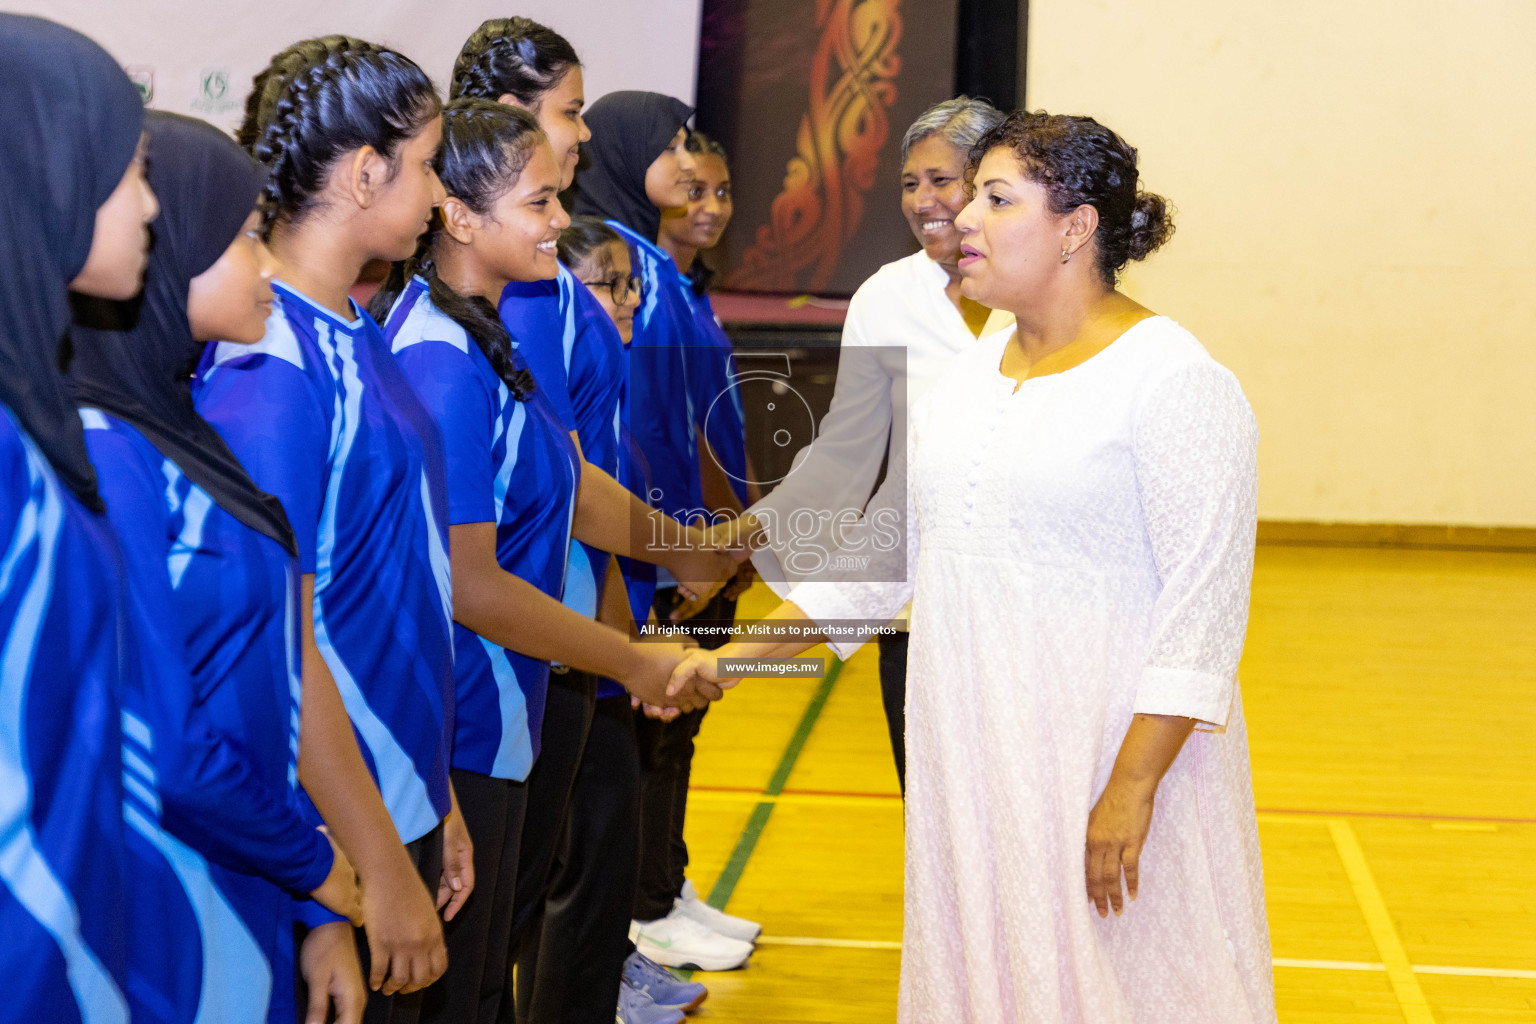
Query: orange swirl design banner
x: 837, y: 148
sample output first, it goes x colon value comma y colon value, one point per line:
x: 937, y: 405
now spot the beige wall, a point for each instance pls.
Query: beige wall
x: 1356, y: 193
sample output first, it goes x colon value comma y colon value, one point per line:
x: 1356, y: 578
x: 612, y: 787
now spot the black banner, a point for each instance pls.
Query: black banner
x: 810, y: 99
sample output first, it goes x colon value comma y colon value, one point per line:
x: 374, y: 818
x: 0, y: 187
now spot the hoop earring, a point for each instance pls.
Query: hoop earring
x: 1066, y: 257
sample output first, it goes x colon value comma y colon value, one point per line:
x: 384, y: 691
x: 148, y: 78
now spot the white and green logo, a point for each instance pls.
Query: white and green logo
x: 213, y: 96
x: 143, y: 78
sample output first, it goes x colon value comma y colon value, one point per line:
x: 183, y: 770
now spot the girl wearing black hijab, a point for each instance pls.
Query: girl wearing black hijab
x: 212, y: 580
x: 73, y: 210
x: 638, y: 166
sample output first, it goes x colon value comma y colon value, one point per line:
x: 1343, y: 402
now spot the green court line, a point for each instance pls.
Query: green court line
x: 725, y: 885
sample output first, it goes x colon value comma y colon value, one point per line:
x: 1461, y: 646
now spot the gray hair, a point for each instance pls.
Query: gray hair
x: 961, y: 122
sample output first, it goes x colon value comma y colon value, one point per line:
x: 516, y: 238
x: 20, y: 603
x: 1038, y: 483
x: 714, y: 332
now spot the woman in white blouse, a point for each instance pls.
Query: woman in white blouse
x: 904, y: 325
x: 1081, y: 837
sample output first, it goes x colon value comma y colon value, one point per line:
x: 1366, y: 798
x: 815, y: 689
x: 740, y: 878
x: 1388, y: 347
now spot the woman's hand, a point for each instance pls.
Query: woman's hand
x: 1119, y: 822
x: 339, y: 893
x: 328, y: 962
x: 700, y: 673
x: 687, y: 607
x: 700, y: 571
x: 405, y: 938
x: 1117, y: 831
x: 458, y: 879
x: 654, y: 663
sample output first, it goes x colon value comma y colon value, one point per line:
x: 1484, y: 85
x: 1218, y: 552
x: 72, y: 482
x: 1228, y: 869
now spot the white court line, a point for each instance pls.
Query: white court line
x: 1280, y: 961
x: 1474, y: 972
x: 1330, y: 965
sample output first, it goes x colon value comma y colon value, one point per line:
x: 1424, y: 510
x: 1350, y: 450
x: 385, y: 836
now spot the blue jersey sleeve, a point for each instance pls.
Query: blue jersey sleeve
x: 457, y: 397
x: 597, y: 381
x: 209, y: 796
x: 716, y: 402
x: 305, y: 910
x: 541, y: 317
x: 275, y: 421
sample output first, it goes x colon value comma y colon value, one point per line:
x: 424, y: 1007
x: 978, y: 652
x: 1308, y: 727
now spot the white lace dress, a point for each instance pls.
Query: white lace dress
x: 1083, y: 550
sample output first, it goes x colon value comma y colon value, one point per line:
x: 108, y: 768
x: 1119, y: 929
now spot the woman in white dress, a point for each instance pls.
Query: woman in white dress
x: 1082, y: 501
x: 904, y: 325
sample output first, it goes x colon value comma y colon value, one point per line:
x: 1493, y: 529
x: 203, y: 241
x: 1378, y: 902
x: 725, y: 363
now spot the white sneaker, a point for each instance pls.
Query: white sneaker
x: 682, y: 942
x: 719, y: 922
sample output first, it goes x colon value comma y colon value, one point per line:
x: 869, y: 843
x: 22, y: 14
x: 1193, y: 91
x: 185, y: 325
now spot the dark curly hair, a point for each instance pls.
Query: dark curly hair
x: 1080, y: 162
x: 486, y: 145
x: 515, y: 56
x: 320, y: 98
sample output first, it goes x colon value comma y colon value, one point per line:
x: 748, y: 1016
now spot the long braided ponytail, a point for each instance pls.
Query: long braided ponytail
x: 512, y: 56
x: 486, y: 145
x: 323, y: 97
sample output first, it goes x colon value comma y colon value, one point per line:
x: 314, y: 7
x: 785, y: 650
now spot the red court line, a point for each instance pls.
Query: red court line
x: 1401, y: 816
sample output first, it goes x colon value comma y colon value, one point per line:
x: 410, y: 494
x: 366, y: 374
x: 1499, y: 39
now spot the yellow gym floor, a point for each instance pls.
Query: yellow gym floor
x: 1391, y: 700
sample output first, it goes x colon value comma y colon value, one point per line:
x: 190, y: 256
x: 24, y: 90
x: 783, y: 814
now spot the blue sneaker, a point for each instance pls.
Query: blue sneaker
x: 635, y: 1007
x: 660, y: 985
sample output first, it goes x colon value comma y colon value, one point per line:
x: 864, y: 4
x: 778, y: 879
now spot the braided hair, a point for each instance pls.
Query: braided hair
x: 323, y: 97
x: 512, y: 56
x: 485, y: 147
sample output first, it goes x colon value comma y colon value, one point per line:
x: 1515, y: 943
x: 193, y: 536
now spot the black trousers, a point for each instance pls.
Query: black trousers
x: 480, y: 935
x: 666, y: 761
x: 427, y: 854
x: 568, y: 712
x: 570, y: 967
x: 893, y: 694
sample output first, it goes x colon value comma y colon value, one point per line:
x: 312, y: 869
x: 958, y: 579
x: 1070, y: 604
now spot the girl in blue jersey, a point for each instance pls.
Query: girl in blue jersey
x: 580, y: 364
x: 718, y: 416
x: 319, y: 415
x: 518, y: 490
x: 728, y: 489
x: 216, y: 827
x: 640, y: 166
x: 74, y: 207
x: 640, y: 169
x: 598, y: 858
x: 555, y: 325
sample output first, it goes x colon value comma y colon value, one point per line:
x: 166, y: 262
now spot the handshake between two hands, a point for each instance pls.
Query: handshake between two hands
x: 680, y: 677
x: 711, y: 559
x: 693, y: 680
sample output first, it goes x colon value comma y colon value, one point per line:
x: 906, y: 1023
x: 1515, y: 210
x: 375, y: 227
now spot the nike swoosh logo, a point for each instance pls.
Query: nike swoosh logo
x: 657, y: 942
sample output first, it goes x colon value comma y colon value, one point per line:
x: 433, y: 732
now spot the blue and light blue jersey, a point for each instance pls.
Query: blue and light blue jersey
x: 635, y: 474
x: 711, y: 384
x: 319, y: 415
x: 659, y: 414
x: 599, y: 370
x: 576, y: 355
x: 511, y: 463
x: 578, y: 359
x: 63, y: 952
x: 216, y: 827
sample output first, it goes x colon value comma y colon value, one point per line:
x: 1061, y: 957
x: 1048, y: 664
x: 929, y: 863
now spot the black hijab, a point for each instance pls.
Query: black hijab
x: 69, y: 123
x: 131, y: 358
x: 629, y: 131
